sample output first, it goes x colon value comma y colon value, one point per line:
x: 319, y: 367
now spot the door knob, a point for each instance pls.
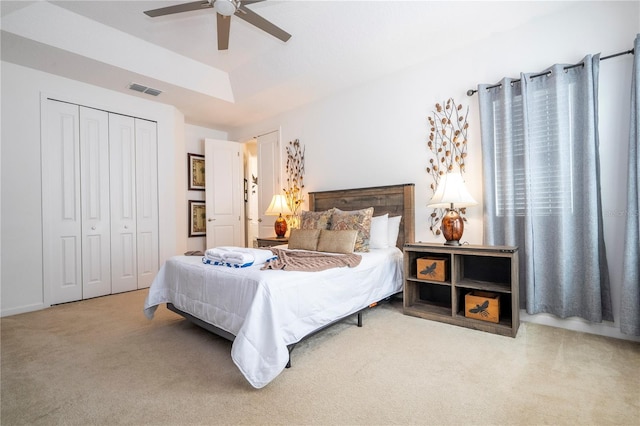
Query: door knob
x: 259, y: 220
x: 93, y: 228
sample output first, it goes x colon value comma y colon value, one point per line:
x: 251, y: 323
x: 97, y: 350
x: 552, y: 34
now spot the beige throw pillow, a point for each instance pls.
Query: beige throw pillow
x: 337, y: 241
x: 304, y: 239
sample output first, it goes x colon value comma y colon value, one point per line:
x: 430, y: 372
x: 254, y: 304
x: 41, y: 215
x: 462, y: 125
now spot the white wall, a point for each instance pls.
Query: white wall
x: 194, y: 143
x: 376, y: 134
x: 21, y: 282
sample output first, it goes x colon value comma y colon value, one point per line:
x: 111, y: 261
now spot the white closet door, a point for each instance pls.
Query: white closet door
x: 61, y: 202
x: 147, y: 201
x: 123, y: 203
x: 94, y: 196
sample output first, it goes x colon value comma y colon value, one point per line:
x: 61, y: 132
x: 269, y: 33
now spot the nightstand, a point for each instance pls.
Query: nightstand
x: 271, y: 241
x: 467, y: 269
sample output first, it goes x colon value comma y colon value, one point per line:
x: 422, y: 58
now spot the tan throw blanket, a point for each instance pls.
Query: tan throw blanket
x: 290, y: 260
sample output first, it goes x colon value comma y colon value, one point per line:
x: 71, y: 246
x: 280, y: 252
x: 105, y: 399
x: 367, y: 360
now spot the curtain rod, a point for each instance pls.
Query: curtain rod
x: 470, y: 92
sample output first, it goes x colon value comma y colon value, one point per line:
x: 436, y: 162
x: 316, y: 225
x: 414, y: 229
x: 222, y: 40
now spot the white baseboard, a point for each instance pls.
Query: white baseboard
x: 23, y: 309
x: 608, y: 329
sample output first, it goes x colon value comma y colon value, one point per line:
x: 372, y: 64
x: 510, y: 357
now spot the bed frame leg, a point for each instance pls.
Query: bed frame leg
x: 293, y: 345
x: 290, y: 349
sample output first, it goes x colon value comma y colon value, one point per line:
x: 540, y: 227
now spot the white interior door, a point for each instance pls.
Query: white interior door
x: 147, y: 201
x: 62, y: 224
x: 94, y: 196
x: 224, y: 193
x: 123, y: 203
x: 268, y: 179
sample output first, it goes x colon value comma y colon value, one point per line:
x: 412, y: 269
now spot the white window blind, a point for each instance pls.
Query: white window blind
x: 540, y: 182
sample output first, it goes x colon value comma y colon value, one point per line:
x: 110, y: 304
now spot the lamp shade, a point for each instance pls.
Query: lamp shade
x: 278, y: 206
x: 451, y: 192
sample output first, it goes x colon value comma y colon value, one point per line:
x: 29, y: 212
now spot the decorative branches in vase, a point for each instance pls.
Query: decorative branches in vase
x: 448, y: 150
x: 295, y: 181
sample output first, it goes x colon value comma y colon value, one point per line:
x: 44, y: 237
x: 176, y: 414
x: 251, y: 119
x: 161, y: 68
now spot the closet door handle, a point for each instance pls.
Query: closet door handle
x: 210, y: 220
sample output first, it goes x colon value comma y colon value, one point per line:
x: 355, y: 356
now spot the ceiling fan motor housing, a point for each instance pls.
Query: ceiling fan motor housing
x: 225, y: 7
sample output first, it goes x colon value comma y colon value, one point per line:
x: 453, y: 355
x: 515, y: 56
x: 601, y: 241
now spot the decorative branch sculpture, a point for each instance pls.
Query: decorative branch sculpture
x: 295, y: 181
x: 448, y: 145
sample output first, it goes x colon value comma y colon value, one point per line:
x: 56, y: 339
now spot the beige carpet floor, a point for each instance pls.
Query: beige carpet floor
x: 102, y: 362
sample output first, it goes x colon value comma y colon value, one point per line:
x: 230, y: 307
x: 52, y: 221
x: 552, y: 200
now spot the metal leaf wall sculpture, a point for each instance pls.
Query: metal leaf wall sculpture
x: 295, y: 180
x: 447, y: 144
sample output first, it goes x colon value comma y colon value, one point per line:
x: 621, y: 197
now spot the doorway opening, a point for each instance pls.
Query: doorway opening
x: 251, y: 200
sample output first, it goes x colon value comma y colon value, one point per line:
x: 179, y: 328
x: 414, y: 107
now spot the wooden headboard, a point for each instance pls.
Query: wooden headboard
x: 396, y: 200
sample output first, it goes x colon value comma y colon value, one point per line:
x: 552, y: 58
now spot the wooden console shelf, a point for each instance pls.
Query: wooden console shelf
x: 470, y: 268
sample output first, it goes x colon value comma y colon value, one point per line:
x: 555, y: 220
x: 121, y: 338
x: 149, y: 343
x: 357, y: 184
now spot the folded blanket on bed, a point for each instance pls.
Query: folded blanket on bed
x: 236, y: 257
x: 291, y: 260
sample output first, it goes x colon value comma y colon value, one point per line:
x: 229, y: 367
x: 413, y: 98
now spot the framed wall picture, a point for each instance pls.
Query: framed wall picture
x: 197, y: 219
x: 196, y: 172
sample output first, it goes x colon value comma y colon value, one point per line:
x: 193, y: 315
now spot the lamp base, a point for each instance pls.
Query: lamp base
x: 452, y: 227
x: 280, y: 226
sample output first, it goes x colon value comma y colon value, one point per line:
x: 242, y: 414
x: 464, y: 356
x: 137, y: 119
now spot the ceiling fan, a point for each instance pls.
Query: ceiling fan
x: 225, y: 9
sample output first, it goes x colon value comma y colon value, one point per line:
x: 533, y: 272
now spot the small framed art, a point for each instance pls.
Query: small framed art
x: 197, y: 219
x: 196, y: 172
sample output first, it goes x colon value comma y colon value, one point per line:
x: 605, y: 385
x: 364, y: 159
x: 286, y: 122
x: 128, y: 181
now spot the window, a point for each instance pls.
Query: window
x: 540, y: 181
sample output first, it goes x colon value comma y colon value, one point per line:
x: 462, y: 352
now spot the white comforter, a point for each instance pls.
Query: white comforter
x: 267, y: 310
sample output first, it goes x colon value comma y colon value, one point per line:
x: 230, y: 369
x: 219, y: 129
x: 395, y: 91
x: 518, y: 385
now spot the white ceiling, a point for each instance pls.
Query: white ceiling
x: 334, y: 45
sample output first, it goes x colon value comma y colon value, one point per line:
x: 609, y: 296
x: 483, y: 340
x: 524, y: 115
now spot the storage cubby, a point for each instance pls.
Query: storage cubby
x: 470, y: 268
x: 435, y: 298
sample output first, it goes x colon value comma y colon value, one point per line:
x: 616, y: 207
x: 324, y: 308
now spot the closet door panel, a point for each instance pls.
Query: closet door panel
x: 123, y: 203
x: 61, y: 202
x: 147, y: 201
x: 100, y: 202
x: 94, y: 169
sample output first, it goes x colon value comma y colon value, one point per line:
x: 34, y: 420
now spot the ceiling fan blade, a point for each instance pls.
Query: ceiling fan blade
x: 250, y: 1
x: 224, y: 26
x: 258, y: 21
x: 178, y: 8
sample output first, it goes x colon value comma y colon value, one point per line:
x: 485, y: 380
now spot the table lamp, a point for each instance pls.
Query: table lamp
x: 276, y: 208
x: 451, y: 194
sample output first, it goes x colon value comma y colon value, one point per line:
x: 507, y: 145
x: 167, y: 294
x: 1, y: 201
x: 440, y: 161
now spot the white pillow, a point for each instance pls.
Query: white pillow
x: 379, y: 236
x: 393, y: 230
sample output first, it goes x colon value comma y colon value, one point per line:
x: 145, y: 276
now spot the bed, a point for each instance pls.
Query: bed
x: 266, y: 312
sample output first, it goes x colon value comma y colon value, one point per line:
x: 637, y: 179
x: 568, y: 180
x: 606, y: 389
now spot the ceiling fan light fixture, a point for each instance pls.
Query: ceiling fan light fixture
x: 225, y: 7
x: 224, y: 10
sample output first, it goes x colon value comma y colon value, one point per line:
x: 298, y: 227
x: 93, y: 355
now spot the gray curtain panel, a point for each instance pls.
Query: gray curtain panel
x: 542, y: 187
x: 630, y: 298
